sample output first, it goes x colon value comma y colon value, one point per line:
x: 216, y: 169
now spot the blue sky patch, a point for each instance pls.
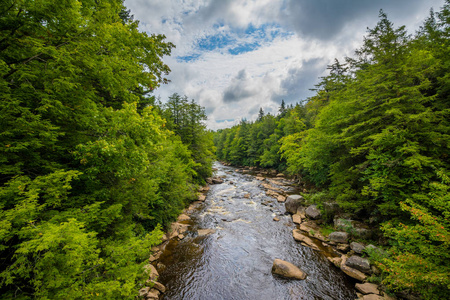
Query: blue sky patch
x: 244, y: 48
x: 188, y: 58
x: 213, y: 42
x: 224, y: 120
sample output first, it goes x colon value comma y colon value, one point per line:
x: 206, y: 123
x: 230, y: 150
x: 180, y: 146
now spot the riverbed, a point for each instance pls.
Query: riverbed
x: 234, y: 257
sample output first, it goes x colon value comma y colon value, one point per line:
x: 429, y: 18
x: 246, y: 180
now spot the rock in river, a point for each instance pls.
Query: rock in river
x: 288, y: 270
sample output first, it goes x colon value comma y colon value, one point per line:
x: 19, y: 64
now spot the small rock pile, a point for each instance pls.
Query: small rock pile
x: 347, y: 256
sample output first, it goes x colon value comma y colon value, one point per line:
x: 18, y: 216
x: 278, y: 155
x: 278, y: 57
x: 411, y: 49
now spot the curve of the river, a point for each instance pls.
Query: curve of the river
x: 235, y: 261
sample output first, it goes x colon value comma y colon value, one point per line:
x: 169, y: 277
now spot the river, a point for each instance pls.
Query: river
x: 235, y: 260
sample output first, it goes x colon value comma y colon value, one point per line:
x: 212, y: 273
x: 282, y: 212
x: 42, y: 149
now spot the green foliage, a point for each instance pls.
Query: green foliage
x: 89, y: 171
x: 186, y: 120
x: 420, y: 252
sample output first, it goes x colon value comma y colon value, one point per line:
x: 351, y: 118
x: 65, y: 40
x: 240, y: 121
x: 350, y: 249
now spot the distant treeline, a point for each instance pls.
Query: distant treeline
x: 91, y: 168
x: 375, y: 138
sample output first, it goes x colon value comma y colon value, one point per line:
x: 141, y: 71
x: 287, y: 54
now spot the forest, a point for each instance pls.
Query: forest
x: 92, y: 167
x: 375, y: 139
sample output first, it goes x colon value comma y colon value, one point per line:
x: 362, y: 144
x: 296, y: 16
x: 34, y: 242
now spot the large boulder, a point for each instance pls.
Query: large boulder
x: 357, y: 247
x: 358, y: 275
x: 151, y: 271
x: 157, y: 285
x: 293, y: 202
x: 338, y: 237
x: 288, y: 270
x: 313, y: 212
x: 367, y: 288
x: 359, y: 263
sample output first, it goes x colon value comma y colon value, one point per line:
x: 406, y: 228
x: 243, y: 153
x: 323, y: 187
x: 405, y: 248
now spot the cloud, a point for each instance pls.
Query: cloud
x: 325, y: 19
x: 239, y: 89
x: 299, y: 79
x: 235, y: 56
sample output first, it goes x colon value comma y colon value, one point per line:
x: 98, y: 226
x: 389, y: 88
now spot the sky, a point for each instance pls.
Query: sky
x: 234, y: 57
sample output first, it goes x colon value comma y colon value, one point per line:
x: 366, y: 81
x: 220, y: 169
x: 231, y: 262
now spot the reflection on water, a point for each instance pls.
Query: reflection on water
x: 235, y: 261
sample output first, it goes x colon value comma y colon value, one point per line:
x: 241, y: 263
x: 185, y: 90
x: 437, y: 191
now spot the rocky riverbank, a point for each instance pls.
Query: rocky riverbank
x: 155, y: 289
x: 337, y: 246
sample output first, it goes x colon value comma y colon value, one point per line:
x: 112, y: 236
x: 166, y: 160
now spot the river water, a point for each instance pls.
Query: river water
x: 235, y: 261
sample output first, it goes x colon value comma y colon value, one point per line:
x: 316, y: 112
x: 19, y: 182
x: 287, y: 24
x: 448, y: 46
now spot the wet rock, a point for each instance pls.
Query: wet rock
x: 247, y: 196
x: 154, y: 256
x: 203, y: 232
x: 288, y: 270
x: 260, y: 178
x: 357, y: 247
x: 358, y: 275
x: 367, y: 288
x: 300, y: 237
x: 280, y: 175
x: 296, y: 219
x: 151, y: 271
x: 281, y: 198
x: 157, y: 285
x: 272, y: 193
x: 313, y: 229
x: 216, y: 180
x: 201, y: 197
x: 276, y: 219
x: 359, y: 263
x: 153, y: 294
x: 313, y: 212
x: 338, y: 237
x: 204, y: 189
x: 164, y: 238
x: 335, y: 261
x: 293, y: 202
x: 177, y: 229
x: 183, y: 217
